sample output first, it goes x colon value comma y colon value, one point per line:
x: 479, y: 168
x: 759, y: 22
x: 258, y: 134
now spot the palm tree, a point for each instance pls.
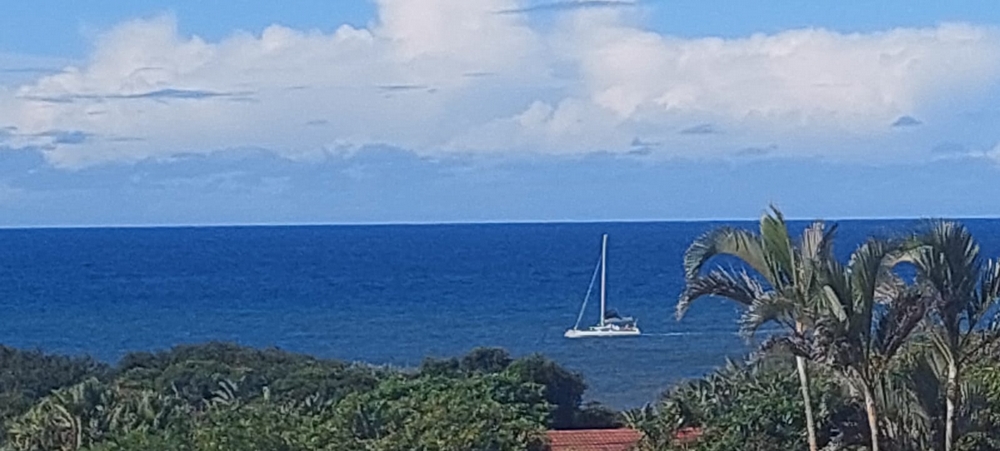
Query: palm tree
x: 965, y: 291
x: 785, y: 280
x: 865, y: 317
x: 912, y: 409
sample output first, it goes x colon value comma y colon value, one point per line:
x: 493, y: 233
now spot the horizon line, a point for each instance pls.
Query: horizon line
x: 472, y: 222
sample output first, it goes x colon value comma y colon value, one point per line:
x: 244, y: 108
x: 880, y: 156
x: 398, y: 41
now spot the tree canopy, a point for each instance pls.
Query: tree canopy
x: 221, y: 396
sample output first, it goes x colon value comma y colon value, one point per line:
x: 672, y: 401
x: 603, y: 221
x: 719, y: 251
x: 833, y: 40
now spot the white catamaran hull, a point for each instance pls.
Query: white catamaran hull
x: 577, y: 333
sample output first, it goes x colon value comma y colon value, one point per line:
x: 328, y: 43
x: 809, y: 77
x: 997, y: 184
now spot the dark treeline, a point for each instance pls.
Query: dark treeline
x: 221, y: 396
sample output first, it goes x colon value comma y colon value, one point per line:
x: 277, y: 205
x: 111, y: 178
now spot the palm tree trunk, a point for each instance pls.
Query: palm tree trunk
x: 951, y: 401
x: 872, y: 415
x: 800, y: 365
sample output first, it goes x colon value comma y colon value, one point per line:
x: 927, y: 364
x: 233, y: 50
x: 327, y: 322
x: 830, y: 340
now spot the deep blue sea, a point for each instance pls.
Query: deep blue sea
x: 382, y: 294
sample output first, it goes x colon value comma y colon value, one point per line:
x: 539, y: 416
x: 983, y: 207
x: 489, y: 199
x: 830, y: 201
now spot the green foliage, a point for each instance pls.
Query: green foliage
x: 781, y: 282
x: 917, y: 353
x: 744, y: 407
x: 253, y: 427
x: 223, y: 397
x: 563, y: 389
x: 135, y: 441
x: 965, y: 290
x: 477, y: 361
x: 90, y: 412
x: 28, y: 376
x: 194, y: 373
x: 982, y: 407
x: 258, y: 427
x: 594, y: 415
x: 492, y: 412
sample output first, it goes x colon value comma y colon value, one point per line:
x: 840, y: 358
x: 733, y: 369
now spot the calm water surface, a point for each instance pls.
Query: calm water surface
x: 382, y: 294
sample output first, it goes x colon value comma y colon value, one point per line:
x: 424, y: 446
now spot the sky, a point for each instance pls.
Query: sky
x: 158, y: 112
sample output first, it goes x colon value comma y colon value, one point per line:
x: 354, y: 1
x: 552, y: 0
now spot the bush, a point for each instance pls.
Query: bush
x: 753, y: 407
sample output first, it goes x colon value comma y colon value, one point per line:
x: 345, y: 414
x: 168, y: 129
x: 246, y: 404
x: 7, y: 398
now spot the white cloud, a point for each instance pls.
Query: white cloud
x: 987, y: 154
x: 436, y: 75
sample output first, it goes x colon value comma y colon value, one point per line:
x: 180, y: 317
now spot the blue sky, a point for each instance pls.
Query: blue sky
x: 309, y: 111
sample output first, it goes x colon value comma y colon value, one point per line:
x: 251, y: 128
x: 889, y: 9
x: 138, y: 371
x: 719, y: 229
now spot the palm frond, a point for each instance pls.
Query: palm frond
x: 737, y: 286
x: 817, y: 241
x: 866, y: 265
x: 832, y: 304
x: 903, y: 314
x: 942, y: 346
x: 815, y: 264
x: 949, y: 262
x: 927, y: 374
x: 986, y: 298
x: 766, y: 309
x: 906, y: 423
x: 778, y: 248
x: 796, y: 345
x: 834, y: 295
x: 739, y: 243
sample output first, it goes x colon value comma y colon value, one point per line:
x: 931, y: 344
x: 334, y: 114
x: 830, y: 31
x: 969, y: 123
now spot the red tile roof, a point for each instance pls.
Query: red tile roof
x: 687, y: 435
x: 594, y: 440
x: 608, y: 439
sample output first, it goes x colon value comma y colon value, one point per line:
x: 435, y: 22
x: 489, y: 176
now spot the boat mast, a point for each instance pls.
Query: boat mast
x: 604, y: 269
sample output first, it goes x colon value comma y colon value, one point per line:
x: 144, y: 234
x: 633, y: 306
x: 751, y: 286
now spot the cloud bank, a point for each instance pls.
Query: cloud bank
x: 440, y: 77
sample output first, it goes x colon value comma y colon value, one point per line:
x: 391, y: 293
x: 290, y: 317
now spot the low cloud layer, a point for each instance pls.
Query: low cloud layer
x: 571, y: 5
x: 383, y: 184
x: 442, y: 77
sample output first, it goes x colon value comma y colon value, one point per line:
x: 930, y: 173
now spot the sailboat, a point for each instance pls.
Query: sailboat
x: 611, y: 324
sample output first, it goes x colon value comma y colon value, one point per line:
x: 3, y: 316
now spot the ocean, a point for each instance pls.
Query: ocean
x: 388, y: 294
